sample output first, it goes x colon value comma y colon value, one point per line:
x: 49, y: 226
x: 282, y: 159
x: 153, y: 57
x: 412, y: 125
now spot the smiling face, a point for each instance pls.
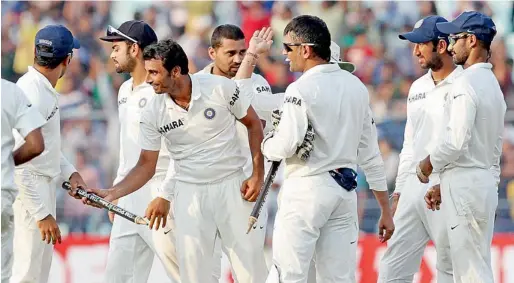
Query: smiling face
x: 228, y: 56
x: 122, y: 56
x: 294, y: 52
x: 158, y: 77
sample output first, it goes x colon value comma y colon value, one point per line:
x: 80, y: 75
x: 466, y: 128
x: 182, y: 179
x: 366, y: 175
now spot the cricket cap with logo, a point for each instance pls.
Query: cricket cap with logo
x: 425, y: 30
x: 335, y: 57
x: 471, y: 22
x: 135, y: 31
x: 59, y: 40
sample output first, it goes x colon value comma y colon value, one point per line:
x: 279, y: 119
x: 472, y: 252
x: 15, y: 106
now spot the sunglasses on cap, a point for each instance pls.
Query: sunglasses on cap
x: 287, y: 46
x: 113, y: 31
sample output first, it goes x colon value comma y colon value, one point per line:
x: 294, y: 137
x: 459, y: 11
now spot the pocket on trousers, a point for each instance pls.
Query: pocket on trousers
x: 472, y: 201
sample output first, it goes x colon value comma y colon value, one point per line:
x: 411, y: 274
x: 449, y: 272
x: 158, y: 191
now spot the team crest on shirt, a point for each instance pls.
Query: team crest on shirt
x: 142, y: 102
x: 209, y: 113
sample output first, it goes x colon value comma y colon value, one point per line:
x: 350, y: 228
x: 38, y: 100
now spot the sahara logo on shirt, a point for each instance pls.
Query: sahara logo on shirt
x: 53, y: 113
x: 264, y: 88
x: 235, y: 97
x: 171, y: 126
x: 293, y: 100
x: 417, y: 97
x: 122, y: 101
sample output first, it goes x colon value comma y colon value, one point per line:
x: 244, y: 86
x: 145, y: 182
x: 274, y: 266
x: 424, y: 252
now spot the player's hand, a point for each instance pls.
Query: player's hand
x: 385, y: 227
x: 75, y: 182
x: 111, y: 216
x: 433, y: 198
x: 157, y: 212
x: 251, y: 188
x: 105, y: 194
x: 396, y: 199
x: 424, y: 170
x: 49, y: 230
x: 261, y: 41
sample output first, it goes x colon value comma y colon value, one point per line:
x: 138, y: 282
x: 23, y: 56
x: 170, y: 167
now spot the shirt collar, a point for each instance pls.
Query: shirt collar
x: 208, y: 68
x: 480, y: 65
x: 42, y: 79
x: 448, y: 80
x: 322, y: 68
x: 195, y: 93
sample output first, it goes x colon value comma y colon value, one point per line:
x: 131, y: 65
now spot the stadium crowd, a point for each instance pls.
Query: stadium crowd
x: 367, y: 31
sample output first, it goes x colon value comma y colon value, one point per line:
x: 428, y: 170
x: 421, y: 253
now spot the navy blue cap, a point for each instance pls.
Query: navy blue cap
x: 58, y: 38
x: 136, y: 31
x: 425, y: 30
x: 471, y: 22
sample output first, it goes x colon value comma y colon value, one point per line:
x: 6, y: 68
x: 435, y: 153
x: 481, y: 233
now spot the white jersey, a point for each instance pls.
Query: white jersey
x: 202, y: 140
x: 425, y: 112
x: 337, y: 105
x: 17, y: 113
x: 263, y: 102
x: 131, y: 103
x: 474, y: 118
x: 45, y: 98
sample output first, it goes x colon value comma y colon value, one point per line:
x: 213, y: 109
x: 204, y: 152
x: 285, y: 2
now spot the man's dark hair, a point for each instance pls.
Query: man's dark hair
x: 435, y: 43
x: 226, y: 32
x: 311, y: 29
x: 170, y: 53
x: 47, y: 62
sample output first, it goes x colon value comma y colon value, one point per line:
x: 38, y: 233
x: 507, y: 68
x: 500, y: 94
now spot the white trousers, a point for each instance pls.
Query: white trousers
x: 315, y: 218
x: 132, y: 247
x: 470, y: 198
x: 205, y: 211
x: 415, y: 225
x: 33, y: 257
x: 256, y: 238
x: 8, y: 197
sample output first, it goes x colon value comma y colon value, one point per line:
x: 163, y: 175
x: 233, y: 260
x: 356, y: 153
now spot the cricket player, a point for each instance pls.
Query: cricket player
x: 197, y: 116
x: 132, y: 247
x: 415, y: 225
x: 227, y: 51
x: 468, y: 154
x: 325, y: 131
x: 18, y: 114
x: 34, y: 208
x: 335, y: 57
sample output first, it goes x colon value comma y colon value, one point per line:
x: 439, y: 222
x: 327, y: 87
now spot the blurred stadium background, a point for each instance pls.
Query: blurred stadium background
x: 367, y: 31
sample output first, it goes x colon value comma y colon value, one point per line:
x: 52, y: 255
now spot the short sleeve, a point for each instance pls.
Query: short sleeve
x: 27, y: 117
x: 238, y: 102
x: 149, y: 136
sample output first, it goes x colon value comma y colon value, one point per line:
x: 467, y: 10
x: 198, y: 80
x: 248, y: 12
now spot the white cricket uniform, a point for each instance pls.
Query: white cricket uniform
x: 132, y: 247
x: 17, y: 113
x: 415, y: 225
x: 317, y: 217
x: 468, y: 157
x: 37, y: 181
x: 205, y: 187
x: 263, y: 102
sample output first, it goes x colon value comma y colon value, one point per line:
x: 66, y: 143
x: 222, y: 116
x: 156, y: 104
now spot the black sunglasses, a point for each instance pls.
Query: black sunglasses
x: 287, y: 46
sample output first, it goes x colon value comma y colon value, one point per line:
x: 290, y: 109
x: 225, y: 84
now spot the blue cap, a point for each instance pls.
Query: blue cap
x: 471, y: 22
x: 425, y: 30
x: 59, y: 38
